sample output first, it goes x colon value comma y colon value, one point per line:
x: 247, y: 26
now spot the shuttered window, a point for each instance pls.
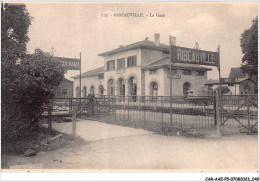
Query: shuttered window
x: 111, y: 65
x: 131, y: 61
x: 121, y: 63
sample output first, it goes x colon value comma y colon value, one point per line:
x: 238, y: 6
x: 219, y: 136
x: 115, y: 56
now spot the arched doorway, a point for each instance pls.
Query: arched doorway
x: 100, y: 90
x: 132, y: 88
x: 77, y: 92
x: 186, y: 88
x: 92, y: 89
x: 154, y: 89
x: 84, y: 92
x: 110, y: 87
x: 121, y: 88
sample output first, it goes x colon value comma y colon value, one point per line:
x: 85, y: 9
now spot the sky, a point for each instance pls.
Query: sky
x: 71, y: 28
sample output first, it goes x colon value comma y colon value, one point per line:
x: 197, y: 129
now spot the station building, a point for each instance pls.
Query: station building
x: 141, y: 69
x: 64, y: 90
x: 242, y: 84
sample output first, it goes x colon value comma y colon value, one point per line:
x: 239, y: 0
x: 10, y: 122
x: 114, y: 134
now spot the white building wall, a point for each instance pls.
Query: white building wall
x: 158, y: 78
x: 125, y: 54
x: 123, y: 73
x: 88, y: 82
x: 197, y: 82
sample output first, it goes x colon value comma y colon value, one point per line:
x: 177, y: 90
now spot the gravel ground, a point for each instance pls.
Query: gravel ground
x: 117, y: 148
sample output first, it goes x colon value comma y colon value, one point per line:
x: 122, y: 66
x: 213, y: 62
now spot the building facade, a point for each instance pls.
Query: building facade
x: 64, y: 90
x: 242, y: 85
x: 142, y: 69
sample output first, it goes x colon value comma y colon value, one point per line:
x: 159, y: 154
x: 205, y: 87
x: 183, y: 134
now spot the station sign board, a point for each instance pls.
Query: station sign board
x: 227, y: 80
x: 194, y: 56
x: 69, y: 63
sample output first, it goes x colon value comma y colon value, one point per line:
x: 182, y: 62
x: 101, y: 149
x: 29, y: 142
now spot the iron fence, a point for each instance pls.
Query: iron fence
x: 191, y: 115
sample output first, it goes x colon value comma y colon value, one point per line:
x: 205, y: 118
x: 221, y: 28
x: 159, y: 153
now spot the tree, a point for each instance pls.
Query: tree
x: 249, y: 45
x: 15, y: 21
x: 28, y: 81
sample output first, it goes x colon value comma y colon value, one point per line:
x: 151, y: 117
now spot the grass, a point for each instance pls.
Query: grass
x: 39, y: 142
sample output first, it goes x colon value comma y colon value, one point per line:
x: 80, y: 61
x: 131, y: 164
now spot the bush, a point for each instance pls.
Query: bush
x: 30, y: 89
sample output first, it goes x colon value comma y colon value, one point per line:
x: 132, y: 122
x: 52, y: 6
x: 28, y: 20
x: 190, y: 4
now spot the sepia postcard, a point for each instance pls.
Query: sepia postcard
x: 130, y: 87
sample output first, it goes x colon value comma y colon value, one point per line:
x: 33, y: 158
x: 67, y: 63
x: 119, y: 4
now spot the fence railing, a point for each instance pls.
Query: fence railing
x: 190, y: 114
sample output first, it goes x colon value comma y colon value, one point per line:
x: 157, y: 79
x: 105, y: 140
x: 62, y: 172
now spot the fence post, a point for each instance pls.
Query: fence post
x: 114, y: 104
x: 128, y: 108
x: 70, y: 105
x: 217, y: 115
x: 50, y: 107
x: 214, y: 109
x: 162, y: 109
x: 144, y: 111
x: 80, y: 107
x: 74, y: 117
x: 248, y: 115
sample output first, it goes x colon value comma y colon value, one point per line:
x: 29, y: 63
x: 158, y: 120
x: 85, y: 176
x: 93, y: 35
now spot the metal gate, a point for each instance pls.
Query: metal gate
x: 239, y: 113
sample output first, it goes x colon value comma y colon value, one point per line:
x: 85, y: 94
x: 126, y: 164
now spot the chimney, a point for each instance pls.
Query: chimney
x: 157, y: 39
x: 121, y: 46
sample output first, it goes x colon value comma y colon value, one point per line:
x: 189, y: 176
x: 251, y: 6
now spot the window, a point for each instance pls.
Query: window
x: 84, y: 91
x: 186, y: 72
x: 201, y: 73
x: 111, y: 87
x: 174, y: 71
x: 186, y: 88
x: 121, y: 63
x: 101, y: 90
x: 154, y: 89
x: 131, y: 61
x: 111, y: 65
x: 77, y: 92
x: 92, y: 90
x: 153, y: 71
x: 132, y: 87
x: 64, y: 91
x: 100, y: 77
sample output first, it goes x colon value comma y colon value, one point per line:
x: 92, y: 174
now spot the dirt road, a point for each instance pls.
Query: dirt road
x: 121, y: 148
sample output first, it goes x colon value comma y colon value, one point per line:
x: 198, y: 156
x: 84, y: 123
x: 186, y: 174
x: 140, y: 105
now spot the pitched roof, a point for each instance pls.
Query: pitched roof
x: 166, y: 62
x: 216, y: 82
x: 141, y: 44
x: 94, y: 72
x: 236, y: 73
x: 67, y: 80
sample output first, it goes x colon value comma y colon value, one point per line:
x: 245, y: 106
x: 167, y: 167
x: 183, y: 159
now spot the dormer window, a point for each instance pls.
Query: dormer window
x: 131, y: 61
x: 111, y: 65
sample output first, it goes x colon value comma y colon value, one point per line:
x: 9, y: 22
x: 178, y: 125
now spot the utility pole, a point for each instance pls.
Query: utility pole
x: 171, y: 42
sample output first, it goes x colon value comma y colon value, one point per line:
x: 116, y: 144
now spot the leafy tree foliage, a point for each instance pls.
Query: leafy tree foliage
x: 249, y: 45
x: 28, y: 81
